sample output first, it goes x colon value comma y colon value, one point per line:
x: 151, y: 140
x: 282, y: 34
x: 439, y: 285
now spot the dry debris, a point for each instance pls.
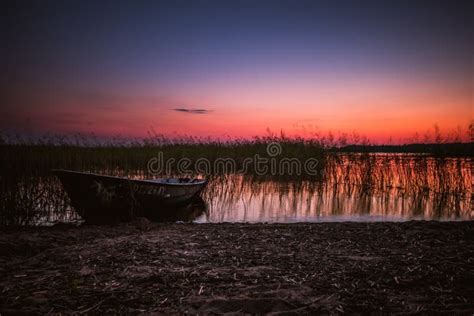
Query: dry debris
x: 239, y: 268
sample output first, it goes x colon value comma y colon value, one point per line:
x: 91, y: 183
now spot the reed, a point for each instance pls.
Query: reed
x: 29, y: 192
x: 435, y: 184
x: 37, y: 159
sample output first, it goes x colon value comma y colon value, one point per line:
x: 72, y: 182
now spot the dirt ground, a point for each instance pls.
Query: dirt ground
x: 239, y: 268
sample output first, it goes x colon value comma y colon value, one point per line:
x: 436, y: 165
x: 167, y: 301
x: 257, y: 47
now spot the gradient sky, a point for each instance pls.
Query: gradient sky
x: 218, y: 68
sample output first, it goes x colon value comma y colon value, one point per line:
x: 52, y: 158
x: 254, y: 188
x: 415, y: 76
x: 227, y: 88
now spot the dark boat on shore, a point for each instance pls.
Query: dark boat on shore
x: 102, y: 198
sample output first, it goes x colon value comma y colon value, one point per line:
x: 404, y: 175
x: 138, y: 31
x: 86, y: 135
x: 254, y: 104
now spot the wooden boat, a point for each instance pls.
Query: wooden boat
x: 101, y: 198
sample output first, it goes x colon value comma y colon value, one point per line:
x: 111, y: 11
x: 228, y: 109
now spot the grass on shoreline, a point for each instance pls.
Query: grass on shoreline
x: 28, y: 190
x: 38, y: 159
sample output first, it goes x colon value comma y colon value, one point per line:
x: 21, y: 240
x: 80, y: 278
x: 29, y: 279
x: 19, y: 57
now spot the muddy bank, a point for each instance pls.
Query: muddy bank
x: 254, y: 268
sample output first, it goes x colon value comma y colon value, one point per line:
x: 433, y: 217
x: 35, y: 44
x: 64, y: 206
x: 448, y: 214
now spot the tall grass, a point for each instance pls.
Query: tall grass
x: 37, y: 159
x: 30, y: 194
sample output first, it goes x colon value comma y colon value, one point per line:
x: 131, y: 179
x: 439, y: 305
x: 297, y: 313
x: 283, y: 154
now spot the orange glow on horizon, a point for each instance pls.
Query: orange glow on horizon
x: 379, y: 109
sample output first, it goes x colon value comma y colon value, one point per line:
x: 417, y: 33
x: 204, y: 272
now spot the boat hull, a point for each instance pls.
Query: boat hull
x: 99, y: 198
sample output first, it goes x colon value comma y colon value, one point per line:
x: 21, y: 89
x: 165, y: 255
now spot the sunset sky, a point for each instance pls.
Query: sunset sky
x: 236, y: 68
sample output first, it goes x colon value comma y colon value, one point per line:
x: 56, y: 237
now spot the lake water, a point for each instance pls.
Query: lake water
x: 376, y: 187
x: 355, y: 188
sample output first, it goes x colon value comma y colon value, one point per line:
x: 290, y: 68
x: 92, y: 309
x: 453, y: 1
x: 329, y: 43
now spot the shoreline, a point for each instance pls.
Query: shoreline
x: 329, y: 267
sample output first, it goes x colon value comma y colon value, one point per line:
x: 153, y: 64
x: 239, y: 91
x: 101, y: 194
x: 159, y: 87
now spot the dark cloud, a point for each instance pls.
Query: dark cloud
x: 192, y: 111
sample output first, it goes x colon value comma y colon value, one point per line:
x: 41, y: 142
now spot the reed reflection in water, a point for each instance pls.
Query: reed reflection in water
x: 362, y: 187
x: 355, y: 187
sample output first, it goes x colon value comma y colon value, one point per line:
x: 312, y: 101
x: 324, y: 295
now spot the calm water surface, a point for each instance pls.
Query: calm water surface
x: 376, y: 187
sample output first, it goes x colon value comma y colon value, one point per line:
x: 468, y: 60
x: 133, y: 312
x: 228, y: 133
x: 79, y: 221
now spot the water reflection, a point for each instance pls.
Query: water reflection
x: 354, y: 187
